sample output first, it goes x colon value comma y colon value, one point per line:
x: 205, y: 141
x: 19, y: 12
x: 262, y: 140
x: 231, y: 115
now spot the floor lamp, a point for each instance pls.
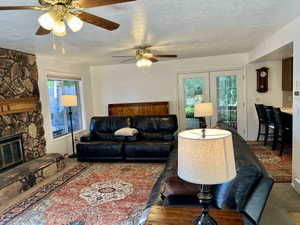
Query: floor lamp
x: 70, y: 101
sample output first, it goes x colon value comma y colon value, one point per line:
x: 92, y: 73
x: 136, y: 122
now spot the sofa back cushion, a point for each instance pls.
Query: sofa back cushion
x: 235, y: 194
x: 103, y: 128
x: 157, y: 127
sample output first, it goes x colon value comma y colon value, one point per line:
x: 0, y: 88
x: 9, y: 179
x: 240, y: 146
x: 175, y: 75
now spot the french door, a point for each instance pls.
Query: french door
x: 194, y: 89
x: 223, y: 88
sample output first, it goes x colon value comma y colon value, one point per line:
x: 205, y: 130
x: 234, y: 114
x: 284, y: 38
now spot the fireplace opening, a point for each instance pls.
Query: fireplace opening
x: 11, y: 152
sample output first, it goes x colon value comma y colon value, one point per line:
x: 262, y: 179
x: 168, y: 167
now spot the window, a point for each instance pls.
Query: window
x: 59, y: 114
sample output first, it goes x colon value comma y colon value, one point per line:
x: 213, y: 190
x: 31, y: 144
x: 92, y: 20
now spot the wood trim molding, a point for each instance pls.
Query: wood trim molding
x: 138, y: 108
x: 18, y: 105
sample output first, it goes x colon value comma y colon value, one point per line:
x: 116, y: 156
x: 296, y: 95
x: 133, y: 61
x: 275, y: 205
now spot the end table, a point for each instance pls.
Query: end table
x: 162, y: 215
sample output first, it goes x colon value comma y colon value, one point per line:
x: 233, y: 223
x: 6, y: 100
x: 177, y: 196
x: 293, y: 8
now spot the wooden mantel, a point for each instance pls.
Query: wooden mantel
x: 18, y: 105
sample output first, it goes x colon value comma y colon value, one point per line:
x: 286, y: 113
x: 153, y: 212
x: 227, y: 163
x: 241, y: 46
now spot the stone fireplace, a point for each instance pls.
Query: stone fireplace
x: 11, y: 151
x: 19, y: 79
x: 22, y: 141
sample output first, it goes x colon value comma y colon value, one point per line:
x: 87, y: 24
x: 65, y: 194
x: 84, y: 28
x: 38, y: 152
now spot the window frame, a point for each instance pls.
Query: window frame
x: 66, y: 77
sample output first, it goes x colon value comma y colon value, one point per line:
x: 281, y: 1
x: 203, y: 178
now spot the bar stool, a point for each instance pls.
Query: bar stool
x: 282, y: 131
x: 261, y: 119
x: 269, y: 122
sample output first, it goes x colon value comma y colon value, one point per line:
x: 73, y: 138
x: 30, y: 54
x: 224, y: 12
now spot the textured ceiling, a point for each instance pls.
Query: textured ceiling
x: 284, y: 52
x: 189, y: 28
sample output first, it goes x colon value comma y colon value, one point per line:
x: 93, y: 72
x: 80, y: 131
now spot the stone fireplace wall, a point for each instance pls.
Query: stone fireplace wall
x: 18, y: 79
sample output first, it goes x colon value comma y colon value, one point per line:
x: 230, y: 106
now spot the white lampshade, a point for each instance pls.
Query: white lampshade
x: 74, y: 23
x: 47, y: 20
x: 204, y: 109
x: 208, y: 160
x: 69, y: 100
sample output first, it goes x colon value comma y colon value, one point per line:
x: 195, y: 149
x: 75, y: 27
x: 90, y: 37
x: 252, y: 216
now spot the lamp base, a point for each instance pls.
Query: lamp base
x: 205, y: 219
x: 73, y: 156
x: 205, y: 199
x: 202, y: 122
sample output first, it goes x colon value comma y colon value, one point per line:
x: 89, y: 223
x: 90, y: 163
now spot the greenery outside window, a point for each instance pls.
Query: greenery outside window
x: 59, y: 114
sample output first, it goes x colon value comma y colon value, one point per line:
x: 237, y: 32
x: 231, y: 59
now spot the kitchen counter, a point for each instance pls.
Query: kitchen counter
x: 287, y: 110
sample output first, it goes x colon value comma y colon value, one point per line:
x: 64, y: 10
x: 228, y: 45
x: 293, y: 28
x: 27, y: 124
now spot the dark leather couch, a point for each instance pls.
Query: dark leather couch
x: 154, y: 141
x: 248, y: 192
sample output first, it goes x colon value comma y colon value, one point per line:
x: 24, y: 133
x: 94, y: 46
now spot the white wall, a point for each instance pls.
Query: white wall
x: 282, y: 37
x: 273, y: 97
x: 127, y: 83
x: 296, y: 106
x: 289, y: 33
x: 56, y: 66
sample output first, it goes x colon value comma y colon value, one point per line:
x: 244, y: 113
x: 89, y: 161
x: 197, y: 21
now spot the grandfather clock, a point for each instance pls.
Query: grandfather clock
x: 262, y: 79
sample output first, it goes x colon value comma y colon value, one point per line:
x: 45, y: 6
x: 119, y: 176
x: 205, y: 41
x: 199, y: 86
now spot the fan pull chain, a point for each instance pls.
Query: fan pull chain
x: 53, y: 42
x: 63, y: 50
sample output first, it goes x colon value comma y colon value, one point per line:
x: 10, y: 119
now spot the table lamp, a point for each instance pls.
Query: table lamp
x: 206, y: 161
x: 70, y: 101
x: 203, y: 110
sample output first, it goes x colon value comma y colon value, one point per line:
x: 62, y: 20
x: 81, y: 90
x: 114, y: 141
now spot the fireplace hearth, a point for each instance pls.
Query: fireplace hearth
x: 11, y: 152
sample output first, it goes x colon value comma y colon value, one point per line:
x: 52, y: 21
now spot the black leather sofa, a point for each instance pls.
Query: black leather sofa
x: 154, y: 141
x: 248, y: 192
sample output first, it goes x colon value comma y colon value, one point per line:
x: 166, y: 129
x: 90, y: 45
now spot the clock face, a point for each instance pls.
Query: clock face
x: 263, y: 74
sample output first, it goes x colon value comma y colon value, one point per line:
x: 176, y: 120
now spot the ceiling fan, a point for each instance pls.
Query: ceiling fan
x: 144, y: 57
x: 70, y: 11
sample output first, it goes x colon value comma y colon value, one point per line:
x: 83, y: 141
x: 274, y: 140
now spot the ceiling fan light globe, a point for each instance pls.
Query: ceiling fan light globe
x: 59, y: 28
x: 143, y: 63
x: 138, y: 63
x: 59, y: 34
x: 74, y: 23
x: 47, y: 20
x: 149, y: 63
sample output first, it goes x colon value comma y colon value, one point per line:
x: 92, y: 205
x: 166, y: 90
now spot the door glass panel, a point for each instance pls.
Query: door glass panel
x: 193, y: 94
x: 227, y: 100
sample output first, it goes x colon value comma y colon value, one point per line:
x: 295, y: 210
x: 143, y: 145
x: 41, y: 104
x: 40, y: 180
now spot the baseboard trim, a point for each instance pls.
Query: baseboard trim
x: 296, y: 185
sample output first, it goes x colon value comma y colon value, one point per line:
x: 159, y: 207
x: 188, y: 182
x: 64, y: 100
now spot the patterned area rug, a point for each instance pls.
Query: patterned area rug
x: 279, y: 167
x: 99, y: 194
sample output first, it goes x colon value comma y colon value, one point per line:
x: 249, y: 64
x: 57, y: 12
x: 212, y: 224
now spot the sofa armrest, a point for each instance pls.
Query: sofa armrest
x: 85, y: 138
x: 257, y: 201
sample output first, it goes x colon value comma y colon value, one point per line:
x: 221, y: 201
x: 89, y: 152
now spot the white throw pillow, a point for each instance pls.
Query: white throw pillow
x: 126, y: 131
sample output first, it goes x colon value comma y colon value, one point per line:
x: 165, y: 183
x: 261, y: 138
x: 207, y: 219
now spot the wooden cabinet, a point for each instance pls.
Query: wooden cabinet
x: 287, y: 74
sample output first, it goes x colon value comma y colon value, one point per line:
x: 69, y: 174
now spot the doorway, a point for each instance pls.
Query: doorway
x: 223, y: 88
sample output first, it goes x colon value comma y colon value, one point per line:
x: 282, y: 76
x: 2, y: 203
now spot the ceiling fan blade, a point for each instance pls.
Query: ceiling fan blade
x: 21, y: 8
x: 152, y: 59
x: 42, y: 31
x: 128, y: 60
x: 142, y: 47
x: 123, y: 56
x: 165, y: 56
x: 95, y: 3
x: 97, y: 21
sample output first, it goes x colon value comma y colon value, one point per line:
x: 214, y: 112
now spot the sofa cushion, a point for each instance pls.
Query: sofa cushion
x: 158, y: 136
x: 158, y: 123
x: 108, y: 125
x: 234, y: 194
x: 147, y: 149
x: 99, y: 149
x: 131, y: 138
x: 107, y: 137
